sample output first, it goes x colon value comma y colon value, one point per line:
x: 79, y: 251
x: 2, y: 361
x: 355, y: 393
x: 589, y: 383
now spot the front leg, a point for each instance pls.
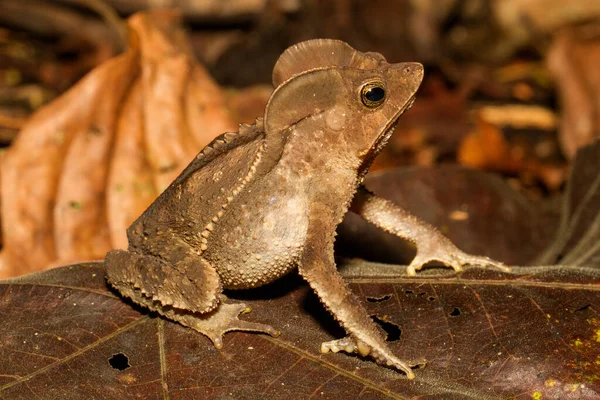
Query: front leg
x: 317, y: 266
x: 431, y: 244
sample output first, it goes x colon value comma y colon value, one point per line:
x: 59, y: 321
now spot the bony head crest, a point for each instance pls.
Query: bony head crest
x: 321, y: 53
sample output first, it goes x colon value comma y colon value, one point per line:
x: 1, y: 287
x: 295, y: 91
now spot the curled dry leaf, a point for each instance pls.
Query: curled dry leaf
x: 485, y: 334
x: 85, y: 166
x: 573, y: 60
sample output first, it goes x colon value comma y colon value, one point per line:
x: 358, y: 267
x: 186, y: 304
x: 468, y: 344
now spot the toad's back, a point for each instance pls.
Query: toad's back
x: 187, y: 211
x: 234, y: 207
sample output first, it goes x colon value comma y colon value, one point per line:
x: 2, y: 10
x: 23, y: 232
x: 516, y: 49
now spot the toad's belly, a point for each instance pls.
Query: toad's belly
x: 252, y: 248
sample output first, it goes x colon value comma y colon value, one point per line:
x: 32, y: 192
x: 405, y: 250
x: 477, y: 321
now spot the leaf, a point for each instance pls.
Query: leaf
x: 573, y: 61
x: 87, y: 164
x: 484, y: 334
x: 577, y: 239
x: 478, y: 211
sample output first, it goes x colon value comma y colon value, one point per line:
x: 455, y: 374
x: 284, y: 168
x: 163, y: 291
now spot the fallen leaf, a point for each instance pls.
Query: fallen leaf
x: 478, y: 211
x: 485, y: 335
x: 486, y: 148
x: 573, y: 61
x: 86, y: 165
x: 577, y: 239
x: 430, y: 130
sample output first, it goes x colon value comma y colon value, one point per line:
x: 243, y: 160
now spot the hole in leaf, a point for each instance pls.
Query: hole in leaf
x: 393, y: 331
x: 379, y: 299
x: 119, y: 361
x: 583, y: 308
x: 409, y: 292
x: 431, y: 298
x: 455, y: 312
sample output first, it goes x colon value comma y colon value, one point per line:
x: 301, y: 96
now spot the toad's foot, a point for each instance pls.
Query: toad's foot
x: 351, y: 345
x: 216, y: 323
x: 436, y: 247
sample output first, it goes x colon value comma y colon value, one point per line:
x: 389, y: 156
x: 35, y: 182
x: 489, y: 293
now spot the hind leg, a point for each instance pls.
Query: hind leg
x: 220, y: 321
x: 187, y: 283
x: 186, y: 291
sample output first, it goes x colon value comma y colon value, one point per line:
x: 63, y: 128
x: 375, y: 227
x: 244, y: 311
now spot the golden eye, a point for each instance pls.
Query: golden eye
x: 372, y: 94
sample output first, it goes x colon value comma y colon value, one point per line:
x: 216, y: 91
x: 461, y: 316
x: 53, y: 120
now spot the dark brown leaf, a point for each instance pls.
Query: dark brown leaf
x: 485, y: 335
x: 577, y: 239
x: 573, y: 60
x: 479, y: 212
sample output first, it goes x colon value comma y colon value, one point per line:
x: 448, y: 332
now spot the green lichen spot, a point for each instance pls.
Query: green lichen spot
x: 572, y: 387
x: 59, y: 138
x: 592, y: 378
x: 12, y: 77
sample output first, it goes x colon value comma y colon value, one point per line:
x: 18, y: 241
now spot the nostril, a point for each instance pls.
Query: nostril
x: 412, y: 69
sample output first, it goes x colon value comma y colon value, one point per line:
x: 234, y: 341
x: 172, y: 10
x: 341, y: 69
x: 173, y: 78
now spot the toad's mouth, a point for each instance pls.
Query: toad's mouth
x: 383, y: 139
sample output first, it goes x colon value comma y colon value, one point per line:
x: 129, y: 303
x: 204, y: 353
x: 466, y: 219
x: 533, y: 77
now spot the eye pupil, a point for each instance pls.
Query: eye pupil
x: 375, y: 94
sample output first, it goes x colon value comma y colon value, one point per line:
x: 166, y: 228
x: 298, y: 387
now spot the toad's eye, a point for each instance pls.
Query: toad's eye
x: 372, y: 94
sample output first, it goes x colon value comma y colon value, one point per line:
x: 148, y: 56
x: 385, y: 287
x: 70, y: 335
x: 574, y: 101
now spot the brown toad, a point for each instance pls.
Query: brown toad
x: 254, y: 205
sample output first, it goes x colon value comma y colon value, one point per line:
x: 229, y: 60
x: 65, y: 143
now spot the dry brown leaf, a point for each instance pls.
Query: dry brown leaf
x: 486, y: 148
x: 519, y: 116
x: 85, y: 166
x: 130, y: 185
x: 573, y: 59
